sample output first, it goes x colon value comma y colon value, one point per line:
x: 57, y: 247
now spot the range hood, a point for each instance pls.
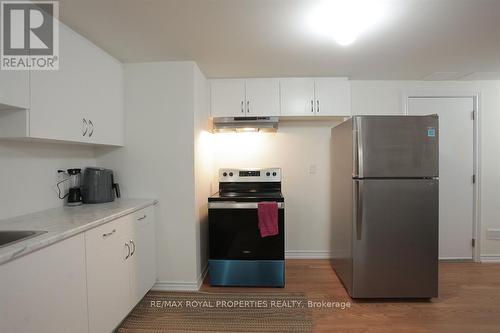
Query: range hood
x: 245, y: 124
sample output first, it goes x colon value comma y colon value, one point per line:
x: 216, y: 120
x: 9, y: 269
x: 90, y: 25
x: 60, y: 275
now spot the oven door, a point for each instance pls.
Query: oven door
x: 234, y: 232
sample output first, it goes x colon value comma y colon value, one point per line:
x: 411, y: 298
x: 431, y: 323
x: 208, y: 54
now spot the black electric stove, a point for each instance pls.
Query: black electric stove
x: 238, y: 255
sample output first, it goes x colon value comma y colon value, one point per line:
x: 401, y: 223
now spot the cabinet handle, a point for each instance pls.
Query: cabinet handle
x: 312, y: 106
x: 142, y: 218
x: 109, y: 233
x: 242, y: 107
x: 248, y: 106
x: 317, y: 105
x: 128, y: 251
x: 84, y: 127
x: 133, y: 249
x: 92, y: 128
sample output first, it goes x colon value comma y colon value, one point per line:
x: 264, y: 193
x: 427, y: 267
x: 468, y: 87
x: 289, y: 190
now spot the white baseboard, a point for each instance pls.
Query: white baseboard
x: 181, y: 285
x: 293, y: 254
x: 490, y: 258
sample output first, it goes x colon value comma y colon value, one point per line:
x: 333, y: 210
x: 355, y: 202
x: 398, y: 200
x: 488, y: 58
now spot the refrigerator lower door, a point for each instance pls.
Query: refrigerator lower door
x: 395, y: 238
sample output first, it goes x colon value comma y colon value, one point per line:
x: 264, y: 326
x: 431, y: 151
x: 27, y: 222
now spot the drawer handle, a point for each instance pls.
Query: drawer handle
x: 109, y: 233
x: 128, y: 251
x: 142, y: 218
x: 133, y: 249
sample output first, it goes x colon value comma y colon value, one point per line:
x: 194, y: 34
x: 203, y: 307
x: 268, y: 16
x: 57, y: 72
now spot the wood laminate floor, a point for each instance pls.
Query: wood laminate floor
x: 469, y: 301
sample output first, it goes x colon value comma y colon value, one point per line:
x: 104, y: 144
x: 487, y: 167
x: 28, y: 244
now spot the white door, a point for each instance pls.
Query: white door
x: 45, y: 291
x: 228, y: 98
x: 105, y: 88
x: 297, y: 97
x: 332, y: 97
x: 262, y: 97
x: 14, y: 89
x: 108, y: 280
x: 456, y: 167
x: 58, y: 98
x: 142, y: 263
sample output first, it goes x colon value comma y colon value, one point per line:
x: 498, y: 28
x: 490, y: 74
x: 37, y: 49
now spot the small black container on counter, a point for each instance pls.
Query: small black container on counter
x: 99, y: 186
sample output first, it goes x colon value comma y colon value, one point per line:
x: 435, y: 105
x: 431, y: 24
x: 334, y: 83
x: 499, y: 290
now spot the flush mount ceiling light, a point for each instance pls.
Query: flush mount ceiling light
x: 344, y: 20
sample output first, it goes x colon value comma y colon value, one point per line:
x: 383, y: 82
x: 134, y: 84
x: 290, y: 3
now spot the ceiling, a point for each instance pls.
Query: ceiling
x: 420, y: 39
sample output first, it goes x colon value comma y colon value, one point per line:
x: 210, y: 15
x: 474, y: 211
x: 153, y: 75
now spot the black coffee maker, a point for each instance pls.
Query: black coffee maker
x: 75, y: 192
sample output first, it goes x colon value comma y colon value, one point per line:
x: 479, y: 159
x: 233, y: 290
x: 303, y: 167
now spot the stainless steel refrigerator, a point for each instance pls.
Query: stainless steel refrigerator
x: 384, y: 206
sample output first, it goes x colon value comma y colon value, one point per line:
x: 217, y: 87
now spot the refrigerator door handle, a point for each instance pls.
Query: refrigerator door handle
x: 359, y: 209
x: 355, y: 165
x: 359, y: 148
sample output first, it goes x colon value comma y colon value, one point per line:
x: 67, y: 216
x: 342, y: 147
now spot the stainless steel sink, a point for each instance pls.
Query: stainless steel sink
x: 7, y: 237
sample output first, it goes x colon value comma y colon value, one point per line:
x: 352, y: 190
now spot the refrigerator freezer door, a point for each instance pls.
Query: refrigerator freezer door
x: 396, y: 146
x: 395, y: 238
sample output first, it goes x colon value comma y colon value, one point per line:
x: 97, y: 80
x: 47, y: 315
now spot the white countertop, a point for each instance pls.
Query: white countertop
x: 64, y: 222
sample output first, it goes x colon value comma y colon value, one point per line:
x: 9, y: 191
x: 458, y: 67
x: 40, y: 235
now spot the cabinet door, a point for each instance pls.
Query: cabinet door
x: 59, y: 99
x: 297, y: 97
x: 228, y: 98
x: 142, y: 263
x: 83, y: 100
x: 262, y: 97
x: 45, y: 291
x: 332, y: 97
x: 108, y: 275
x: 106, y: 114
x: 14, y: 90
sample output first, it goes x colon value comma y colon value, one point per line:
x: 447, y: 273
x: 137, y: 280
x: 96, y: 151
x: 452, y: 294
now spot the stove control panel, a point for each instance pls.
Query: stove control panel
x: 250, y: 175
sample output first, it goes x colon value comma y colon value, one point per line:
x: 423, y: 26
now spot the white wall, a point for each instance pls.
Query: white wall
x: 203, y: 165
x: 387, y: 97
x: 297, y: 147
x: 158, y: 161
x: 28, y: 173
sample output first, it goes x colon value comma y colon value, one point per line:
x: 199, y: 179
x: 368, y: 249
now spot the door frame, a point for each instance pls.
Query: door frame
x: 476, y: 100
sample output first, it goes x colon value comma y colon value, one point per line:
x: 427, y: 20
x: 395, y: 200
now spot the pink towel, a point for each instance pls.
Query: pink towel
x: 268, y: 218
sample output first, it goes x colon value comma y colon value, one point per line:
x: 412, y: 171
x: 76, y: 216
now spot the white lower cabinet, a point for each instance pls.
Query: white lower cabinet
x: 107, y: 275
x: 45, y: 291
x: 121, y: 268
x: 142, y: 265
x: 85, y: 284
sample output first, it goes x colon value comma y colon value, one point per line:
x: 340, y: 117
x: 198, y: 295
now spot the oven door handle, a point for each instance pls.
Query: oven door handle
x: 238, y: 205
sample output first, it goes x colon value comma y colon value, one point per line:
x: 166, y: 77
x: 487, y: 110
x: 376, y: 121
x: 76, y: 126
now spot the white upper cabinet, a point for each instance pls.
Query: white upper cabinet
x: 262, y: 97
x: 245, y: 97
x: 297, y: 97
x: 80, y: 102
x: 228, y: 98
x: 14, y: 90
x: 58, y: 98
x: 332, y: 97
x: 315, y: 97
x: 83, y: 100
x: 294, y: 97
